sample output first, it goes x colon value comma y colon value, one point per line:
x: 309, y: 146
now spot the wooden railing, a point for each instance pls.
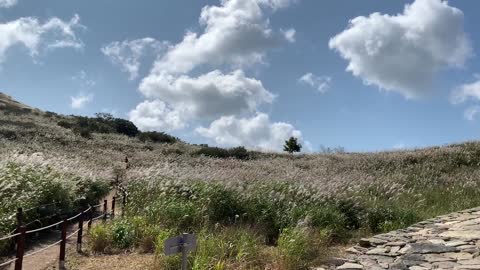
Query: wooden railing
x: 21, y: 233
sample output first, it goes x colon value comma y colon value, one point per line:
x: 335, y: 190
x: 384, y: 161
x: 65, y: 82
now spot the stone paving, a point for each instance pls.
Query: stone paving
x: 446, y: 242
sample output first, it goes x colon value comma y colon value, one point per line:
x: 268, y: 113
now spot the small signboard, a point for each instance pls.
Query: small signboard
x: 179, y: 244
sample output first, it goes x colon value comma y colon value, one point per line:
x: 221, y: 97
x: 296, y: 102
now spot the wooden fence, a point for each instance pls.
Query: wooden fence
x: 20, y: 234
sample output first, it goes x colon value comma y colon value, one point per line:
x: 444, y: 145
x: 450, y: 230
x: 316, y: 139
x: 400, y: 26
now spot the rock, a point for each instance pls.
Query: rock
x: 351, y: 266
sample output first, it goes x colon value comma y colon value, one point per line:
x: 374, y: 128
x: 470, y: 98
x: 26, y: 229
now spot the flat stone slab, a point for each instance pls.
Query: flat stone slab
x: 446, y: 242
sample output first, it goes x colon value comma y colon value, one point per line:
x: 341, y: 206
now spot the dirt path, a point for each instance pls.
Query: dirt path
x: 49, y: 258
x: 446, y: 242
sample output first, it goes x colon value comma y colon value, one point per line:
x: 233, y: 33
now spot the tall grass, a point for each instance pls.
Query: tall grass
x: 286, y: 225
x: 29, y: 187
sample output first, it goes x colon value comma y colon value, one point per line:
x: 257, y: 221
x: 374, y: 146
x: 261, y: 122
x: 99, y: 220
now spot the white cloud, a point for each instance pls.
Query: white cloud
x: 208, y: 96
x: 257, y: 132
x: 289, y: 34
x: 79, y: 101
x: 33, y: 35
x: 466, y: 91
x: 236, y: 33
x: 7, y: 3
x: 471, y: 113
x: 276, y: 4
x: 156, y: 115
x: 127, y: 54
x: 403, y: 52
x: 320, y: 83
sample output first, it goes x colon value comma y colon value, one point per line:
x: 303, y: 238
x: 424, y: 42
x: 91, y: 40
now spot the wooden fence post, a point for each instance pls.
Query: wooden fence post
x: 124, y: 203
x: 105, y: 210
x: 113, y: 207
x: 20, y: 248
x: 90, y: 218
x: 19, y: 217
x: 61, y: 263
x: 80, y: 232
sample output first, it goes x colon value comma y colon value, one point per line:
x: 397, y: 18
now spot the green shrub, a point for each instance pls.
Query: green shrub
x: 123, y: 234
x: 100, y: 239
x: 125, y: 127
x: 65, y: 124
x: 214, y: 152
x: 217, y: 152
x: 387, y: 218
x: 229, y: 248
x: 83, y: 132
x: 156, y: 137
x: 298, y: 247
x: 239, y: 153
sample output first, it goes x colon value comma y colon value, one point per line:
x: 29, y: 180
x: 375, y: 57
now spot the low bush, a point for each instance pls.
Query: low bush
x: 299, y: 247
x: 100, y: 239
x: 156, y: 137
x: 217, y: 152
x: 386, y: 218
x: 123, y: 234
x: 65, y: 124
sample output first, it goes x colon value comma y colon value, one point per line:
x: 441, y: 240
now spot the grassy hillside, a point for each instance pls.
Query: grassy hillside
x: 275, y: 203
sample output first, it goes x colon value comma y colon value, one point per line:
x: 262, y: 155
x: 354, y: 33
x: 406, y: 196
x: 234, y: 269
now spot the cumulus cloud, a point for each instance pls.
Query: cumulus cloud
x: 79, y: 101
x: 156, y: 115
x: 465, y: 92
x: 208, y: 96
x: 403, y: 52
x: 236, y: 32
x: 289, y: 34
x: 320, y: 83
x: 128, y: 53
x: 7, y: 3
x: 35, y: 36
x: 257, y: 132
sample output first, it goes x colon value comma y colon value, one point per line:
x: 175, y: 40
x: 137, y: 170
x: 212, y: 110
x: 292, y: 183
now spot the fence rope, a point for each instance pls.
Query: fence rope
x: 72, y: 234
x: 44, y: 228
x: 97, y: 205
x: 39, y: 206
x: 74, y: 217
x: 8, y: 262
x: 43, y: 249
x: 93, y: 219
x: 9, y: 236
x: 86, y: 210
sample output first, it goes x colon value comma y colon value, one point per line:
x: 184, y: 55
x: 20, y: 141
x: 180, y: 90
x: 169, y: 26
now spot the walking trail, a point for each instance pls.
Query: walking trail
x: 446, y: 242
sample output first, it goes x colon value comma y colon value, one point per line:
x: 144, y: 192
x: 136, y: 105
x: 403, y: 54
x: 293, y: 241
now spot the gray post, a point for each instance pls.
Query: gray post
x: 184, y: 252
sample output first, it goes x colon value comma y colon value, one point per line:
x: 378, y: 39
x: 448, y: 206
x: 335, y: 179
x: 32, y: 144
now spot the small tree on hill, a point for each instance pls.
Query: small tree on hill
x: 292, y: 145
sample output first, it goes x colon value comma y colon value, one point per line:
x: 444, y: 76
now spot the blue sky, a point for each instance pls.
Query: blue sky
x: 254, y: 72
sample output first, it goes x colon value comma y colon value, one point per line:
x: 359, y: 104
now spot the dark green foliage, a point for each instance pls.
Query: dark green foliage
x: 65, y: 124
x: 217, y: 152
x: 239, y: 152
x: 156, y: 137
x: 292, y: 145
x: 103, y: 123
x: 83, y: 132
x: 50, y: 114
x: 123, y: 234
x: 383, y: 218
x: 125, y: 127
x: 8, y: 134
